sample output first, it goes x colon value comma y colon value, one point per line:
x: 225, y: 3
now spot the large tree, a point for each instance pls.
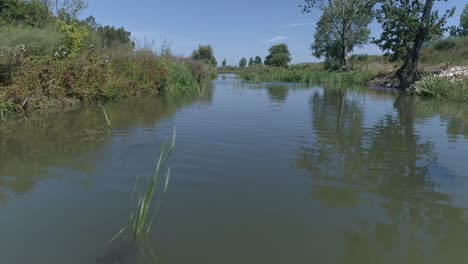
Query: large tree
x: 344, y: 23
x: 279, y: 56
x: 224, y: 63
x: 407, y: 25
x: 204, y: 54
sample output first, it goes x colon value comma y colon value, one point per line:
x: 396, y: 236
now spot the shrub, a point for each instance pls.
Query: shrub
x: 74, y: 38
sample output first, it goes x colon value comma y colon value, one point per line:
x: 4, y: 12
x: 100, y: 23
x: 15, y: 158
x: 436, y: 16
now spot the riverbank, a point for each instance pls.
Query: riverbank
x: 443, y: 70
x: 46, y: 83
x: 55, y: 60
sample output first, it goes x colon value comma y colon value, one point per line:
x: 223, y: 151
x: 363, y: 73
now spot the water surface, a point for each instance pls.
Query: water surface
x: 264, y: 173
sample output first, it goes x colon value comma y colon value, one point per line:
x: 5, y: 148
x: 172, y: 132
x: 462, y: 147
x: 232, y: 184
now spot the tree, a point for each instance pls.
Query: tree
x: 279, y: 56
x: 258, y: 60
x: 29, y: 13
x: 224, y: 63
x: 113, y: 37
x: 344, y: 23
x: 464, y: 22
x: 251, y: 62
x: 407, y: 25
x: 205, y: 54
x: 462, y: 30
x: 243, y: 62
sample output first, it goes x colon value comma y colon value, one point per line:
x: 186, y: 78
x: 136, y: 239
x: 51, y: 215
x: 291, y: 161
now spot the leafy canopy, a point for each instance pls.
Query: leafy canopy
x: 243, y: 62
x: 251, y: 61
x: 401, y: 24
x: 344, y: 25
x: 279, y: 56
x: 25, y: 13
x: 205, y: 54
x: 258, y: 60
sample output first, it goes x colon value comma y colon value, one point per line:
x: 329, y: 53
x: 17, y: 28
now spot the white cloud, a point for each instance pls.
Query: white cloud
x: 294, y: 25
x: 277, y: 39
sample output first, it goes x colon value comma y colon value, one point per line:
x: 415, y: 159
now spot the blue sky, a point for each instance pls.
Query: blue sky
x: 235, y: 29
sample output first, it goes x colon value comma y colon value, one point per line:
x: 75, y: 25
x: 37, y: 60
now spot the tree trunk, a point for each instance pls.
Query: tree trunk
x: 345, y: 57
x: 408, y: 73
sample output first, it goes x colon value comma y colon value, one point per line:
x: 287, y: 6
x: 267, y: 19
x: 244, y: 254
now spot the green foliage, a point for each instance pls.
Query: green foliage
x: 112, y: 37
x: 279, y: 56
x: 251, y: 62
x: 205, y: 54
x: 141, y: 217
x: 224, y: 63
x: 464, y: 22
x: 70, y: 9
x: 462, y: 29
x: 243, y: 62
x: 75, y: 61
x: 304, y: 74
x: 258, y: 60
x: 165, y: 50
x: 402, y: 24
x: 10, y: 60
x: 28, y: 13
x: 74, y: 37
x: 443, y: 88
x: 37, y: 41
x: 343, y: 26
x: 332, y: 64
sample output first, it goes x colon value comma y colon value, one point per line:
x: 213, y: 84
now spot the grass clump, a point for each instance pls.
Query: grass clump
x: 442, y: 87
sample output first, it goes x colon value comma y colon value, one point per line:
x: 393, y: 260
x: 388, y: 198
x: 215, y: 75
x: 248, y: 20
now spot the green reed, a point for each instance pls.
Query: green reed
x: 141, y: 217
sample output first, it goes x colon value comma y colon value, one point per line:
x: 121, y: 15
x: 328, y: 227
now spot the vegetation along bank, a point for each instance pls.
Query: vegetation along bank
x: 420, y: 54
x: 50, y: 59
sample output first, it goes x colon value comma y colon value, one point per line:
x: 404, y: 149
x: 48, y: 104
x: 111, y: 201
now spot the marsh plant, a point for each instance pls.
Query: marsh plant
x: 146, y: 205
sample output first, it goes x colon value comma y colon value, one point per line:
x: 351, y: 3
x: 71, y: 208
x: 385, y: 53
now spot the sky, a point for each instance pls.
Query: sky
x: 235, y: 29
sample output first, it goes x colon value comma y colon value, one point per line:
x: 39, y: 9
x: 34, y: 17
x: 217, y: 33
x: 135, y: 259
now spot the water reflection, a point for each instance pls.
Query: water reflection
x: 32, y: 146
x: 388, y: 169
x: 278, y: 93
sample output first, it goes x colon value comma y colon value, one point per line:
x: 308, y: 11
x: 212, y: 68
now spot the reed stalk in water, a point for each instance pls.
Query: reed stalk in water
x: 141, y: 217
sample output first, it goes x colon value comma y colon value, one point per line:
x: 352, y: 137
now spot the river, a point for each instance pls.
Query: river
x: 261, y: 173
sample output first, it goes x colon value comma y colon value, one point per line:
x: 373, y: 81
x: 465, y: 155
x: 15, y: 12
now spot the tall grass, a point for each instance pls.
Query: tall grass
x: 303, y: 74
x: 443, y: 88
x: 141, y: 216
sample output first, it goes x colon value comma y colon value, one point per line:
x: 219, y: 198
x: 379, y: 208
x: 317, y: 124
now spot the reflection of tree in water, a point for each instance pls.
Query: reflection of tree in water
x: 278, y: 93
x: 29, y: 147
x: 387, y: 170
